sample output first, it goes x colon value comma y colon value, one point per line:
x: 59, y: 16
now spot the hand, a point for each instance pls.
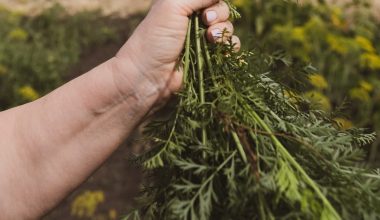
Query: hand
x: 155, y: 46
x: 76, y: 128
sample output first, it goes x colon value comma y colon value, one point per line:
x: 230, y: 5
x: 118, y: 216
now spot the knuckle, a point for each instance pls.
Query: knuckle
x: 229, y: 26
x: 223, y: 5
x: 236, y: 40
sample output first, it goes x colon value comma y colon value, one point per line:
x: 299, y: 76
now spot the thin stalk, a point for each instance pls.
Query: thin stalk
x: 187, y: 53
x: 252, y: 135
x: 208, y: 57
x: 295, y: 164
x: 200, y: 66
x: 208, y: 62
x: 185, y: 75
x: 211, y: 177
x: 239, y: 146
x: 367, y: 175
x: 211, y: 71
x: 261, y: 207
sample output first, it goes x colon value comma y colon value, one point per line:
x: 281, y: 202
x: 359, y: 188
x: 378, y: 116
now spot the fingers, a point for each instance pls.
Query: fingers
x: 216, y: 13
x: 220, y: 29
x: 236, y: 43
x: 220, y: 32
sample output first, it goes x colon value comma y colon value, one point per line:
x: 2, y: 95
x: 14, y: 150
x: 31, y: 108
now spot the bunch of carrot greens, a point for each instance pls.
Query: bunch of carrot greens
x: 239, y: 145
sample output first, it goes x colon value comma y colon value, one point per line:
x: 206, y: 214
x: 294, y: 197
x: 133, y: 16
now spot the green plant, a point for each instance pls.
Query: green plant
x: 36, y: 52
x: 239, y: 145
x: 341, y: 42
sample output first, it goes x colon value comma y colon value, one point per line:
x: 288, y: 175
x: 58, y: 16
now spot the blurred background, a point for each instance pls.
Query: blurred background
x: 45, y: 43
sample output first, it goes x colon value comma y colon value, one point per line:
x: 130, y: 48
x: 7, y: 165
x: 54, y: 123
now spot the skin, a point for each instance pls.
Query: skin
x: 50, y: 146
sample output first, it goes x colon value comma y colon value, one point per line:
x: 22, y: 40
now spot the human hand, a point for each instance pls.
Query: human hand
x: 77, y: 127
x: 155, y: 46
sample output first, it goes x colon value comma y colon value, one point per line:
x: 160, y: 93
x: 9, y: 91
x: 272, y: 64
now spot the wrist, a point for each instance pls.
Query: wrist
x: 133, y: 85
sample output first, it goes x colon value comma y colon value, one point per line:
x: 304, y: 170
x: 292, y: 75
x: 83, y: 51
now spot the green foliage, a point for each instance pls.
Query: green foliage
x: 341, y: 42
x: 240, y: 145
x: 36, y: 52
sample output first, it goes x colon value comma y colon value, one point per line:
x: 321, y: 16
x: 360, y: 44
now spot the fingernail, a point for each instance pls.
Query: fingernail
x: 216, y: 33
x: 211, y: 16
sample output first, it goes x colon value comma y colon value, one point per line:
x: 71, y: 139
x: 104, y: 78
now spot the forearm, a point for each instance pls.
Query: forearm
x: 69, y: 133
x: 52, y: 145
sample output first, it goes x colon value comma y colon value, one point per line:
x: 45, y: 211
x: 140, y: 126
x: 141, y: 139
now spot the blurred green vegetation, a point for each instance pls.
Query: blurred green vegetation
x: 36, y: 52
x: 340, y: 42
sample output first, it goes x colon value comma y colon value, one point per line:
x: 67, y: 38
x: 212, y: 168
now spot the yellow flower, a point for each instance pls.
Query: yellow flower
x: 112, y: 214
x: 370, y: 60
x: 337, y: 11
x: 318, y: 81
x: 85, y: 204
x: 241, y: 3
x: 18, y: 34
x: 3, y: 70
x: 336, y: 44
x: 343, y: 123
x: 360, y: 94
x: 28, y: 93
x: 298, y: 34
x: 366, y: 86
x: 315, y: 27
x: 337, y: 19
x: 365, y: 44
x: 318, y: 100
x: 295, y: 37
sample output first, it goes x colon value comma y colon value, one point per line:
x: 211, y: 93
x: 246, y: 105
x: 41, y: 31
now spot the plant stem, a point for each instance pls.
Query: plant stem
x: 211, y: 71
x: 200, y: 66
x: 185, y: 75
x: 261, y: 207
x: 252, y: 135
x: 208, y: 57
x: 367, y: 175
x: 187, y: 53
x: 211, y: 177
x: 239, y: 146
x: 295, y: 164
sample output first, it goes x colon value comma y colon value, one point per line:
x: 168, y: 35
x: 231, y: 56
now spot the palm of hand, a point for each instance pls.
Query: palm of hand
x: 157, y: 43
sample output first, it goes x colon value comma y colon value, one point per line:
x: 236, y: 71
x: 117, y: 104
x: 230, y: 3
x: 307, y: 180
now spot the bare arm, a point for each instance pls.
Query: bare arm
x: 57, y: 141
x: 50, y: 146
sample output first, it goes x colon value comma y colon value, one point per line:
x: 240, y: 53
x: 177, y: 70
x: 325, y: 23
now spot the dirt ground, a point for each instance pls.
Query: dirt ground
x: 121, y: 8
